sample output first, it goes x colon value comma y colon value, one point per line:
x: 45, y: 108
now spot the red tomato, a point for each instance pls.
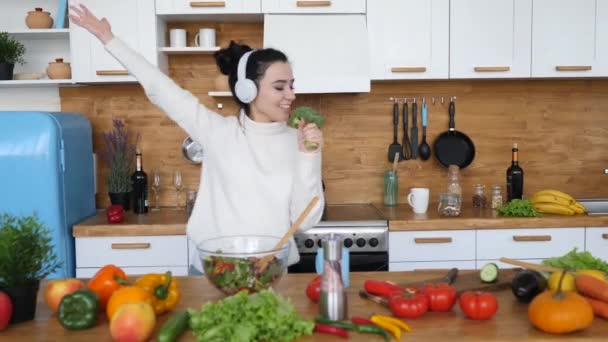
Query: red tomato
x: 478, y: 305
x: 408, y: 304
x: 313, y: 290
x: 381, y: 288
x: 442, y: 296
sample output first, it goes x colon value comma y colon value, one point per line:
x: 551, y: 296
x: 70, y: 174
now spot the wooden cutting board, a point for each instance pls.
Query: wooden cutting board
x: 470, y: 281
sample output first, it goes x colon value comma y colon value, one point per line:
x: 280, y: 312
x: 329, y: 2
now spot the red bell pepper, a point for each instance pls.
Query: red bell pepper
x: 442, y: 296
x: 115, y: 213
x: 313, y: 289
x: 107, y: 280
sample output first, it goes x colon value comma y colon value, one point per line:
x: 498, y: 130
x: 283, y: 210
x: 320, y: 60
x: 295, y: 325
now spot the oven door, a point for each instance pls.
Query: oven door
x: 359, y: 262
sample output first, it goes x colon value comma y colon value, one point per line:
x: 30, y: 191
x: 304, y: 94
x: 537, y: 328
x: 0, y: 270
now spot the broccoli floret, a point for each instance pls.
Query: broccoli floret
x: 308, y: 114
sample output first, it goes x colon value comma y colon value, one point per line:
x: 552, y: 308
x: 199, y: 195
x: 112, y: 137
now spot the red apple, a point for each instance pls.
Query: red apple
x: 6, y: 310
x: 133, y: 322
x: 58, y: 288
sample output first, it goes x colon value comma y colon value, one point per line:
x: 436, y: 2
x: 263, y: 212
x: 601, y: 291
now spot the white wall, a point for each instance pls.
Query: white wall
x: 38, y: 99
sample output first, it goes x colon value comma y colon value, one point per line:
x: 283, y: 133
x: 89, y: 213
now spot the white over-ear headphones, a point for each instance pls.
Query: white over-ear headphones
x: 245, y: 89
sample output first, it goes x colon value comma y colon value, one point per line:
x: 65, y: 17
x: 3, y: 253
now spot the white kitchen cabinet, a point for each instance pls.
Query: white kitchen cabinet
x: 601, y: 39
x: 164, y: 7
x: 433, y: 245
x: 430, y: 265
x: 533, y: 243
x: 564, y: 38
x: 313, y: 6
x: 328, y: 53
x: 596, y: 241
x: 409, y: 39
x: 490, y: 38
x: 136, y: 253
x: 132, y: 21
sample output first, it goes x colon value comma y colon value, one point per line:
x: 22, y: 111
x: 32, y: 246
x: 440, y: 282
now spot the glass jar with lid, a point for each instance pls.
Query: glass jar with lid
x: 479, y: 196
x: 449, y: 204
x: 496, y: 196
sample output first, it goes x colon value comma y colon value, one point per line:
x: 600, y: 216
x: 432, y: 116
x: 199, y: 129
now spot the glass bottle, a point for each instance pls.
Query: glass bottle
x: 139, y: 180
x: 479, y: 196
x: 454, y: 180
x: 515, y: 176
x: 496, y: 196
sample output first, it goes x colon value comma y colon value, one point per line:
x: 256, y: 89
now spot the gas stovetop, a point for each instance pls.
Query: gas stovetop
x: 362, y: 227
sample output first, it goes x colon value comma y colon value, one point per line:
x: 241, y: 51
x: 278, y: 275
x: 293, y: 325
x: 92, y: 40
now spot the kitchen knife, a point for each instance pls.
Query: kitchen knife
x: 414, y: 130
x: 407, y: 148
x: 449, y: 279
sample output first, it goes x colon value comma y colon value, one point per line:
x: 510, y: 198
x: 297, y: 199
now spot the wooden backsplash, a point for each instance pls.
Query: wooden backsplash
x: 561, y: 127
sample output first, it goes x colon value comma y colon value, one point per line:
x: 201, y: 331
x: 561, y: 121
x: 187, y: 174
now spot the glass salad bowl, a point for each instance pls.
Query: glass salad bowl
x: 231, y: 263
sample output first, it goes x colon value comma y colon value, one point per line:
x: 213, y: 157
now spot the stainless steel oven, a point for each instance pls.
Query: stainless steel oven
x: 364, y: 232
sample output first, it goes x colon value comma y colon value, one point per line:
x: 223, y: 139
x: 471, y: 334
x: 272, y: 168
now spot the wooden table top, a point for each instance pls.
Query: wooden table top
x: 509, y: 324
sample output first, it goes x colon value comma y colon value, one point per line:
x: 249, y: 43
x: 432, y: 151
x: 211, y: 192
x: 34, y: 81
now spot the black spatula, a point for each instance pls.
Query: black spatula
x: 395, y: 147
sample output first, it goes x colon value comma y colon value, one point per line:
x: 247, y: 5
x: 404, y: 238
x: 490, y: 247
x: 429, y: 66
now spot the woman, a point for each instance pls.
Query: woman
x: 257, y: 175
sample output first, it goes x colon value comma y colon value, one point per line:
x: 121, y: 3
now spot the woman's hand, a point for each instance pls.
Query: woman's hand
x: 309, y: 135
x: 81, y: 16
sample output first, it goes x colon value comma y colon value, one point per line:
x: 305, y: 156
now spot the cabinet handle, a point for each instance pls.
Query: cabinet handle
x: 313, y: 3
x: 573, y: 67
x: 143, y: 245
x: 112, y: 72
x: 433, y: 240
x: 208, y: 4
x: 408, y: 69
x: 605, y: 236
x: 524, y: 238
x: 492, y: 68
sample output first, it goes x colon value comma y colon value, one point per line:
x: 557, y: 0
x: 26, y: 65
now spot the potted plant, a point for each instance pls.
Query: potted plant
x: 11, y: 52
x: 26, y: 256
x: 119, y: 155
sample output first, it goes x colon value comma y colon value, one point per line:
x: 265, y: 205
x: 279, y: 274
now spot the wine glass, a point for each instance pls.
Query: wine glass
x: 156, y: 188
x: 179, y: 186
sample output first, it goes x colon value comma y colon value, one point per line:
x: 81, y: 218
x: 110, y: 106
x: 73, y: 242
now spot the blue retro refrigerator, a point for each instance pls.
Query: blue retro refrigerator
x: 46, y: 168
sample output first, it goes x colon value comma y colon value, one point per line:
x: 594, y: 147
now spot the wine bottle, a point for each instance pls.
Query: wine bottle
x: 515, y: 176
x: 139, y: 179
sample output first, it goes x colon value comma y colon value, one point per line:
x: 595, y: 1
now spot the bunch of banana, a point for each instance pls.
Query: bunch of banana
x: 555, y: 202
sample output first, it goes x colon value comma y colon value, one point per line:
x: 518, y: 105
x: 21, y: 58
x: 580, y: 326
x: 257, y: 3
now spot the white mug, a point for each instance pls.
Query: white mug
x: 418, y: 199
x: 177, y: 38
x: 205, y: 37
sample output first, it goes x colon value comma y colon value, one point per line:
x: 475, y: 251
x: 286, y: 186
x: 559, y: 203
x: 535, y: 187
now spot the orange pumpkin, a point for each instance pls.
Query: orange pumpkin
x: 560, y: 312
x: 126, y: 294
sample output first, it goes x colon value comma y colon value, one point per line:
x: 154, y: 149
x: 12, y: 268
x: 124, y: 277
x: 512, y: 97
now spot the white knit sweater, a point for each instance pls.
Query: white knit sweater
x: 254, y: 180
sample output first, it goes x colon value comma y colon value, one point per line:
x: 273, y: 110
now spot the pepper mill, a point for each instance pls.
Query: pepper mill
x: 332, y: 304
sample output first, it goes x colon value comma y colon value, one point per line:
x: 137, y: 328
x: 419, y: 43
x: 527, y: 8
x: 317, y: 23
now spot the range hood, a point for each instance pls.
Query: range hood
x: 328, y: 53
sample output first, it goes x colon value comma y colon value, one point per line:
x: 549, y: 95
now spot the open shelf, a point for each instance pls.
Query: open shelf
x: 33, y: 83
x: 219, y: 93
x: 35, y: 34
x: 189, y: 50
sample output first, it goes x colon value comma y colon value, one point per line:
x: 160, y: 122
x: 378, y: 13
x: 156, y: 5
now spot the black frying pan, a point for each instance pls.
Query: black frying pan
x: 453, y: 147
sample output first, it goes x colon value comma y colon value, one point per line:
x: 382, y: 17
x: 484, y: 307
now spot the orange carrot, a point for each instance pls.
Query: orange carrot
x: 592, y: 287
x: 600, y: 308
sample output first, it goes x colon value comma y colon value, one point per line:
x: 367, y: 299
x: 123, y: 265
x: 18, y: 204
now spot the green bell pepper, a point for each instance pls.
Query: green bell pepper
x: 79, y: 310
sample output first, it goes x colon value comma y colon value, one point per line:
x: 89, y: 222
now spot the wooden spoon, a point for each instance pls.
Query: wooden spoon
x: 531, y: 266
x: 263, y: 262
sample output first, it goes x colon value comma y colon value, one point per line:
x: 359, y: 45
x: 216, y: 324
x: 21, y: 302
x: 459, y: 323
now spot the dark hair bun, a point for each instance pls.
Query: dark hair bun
x: 227, y: 59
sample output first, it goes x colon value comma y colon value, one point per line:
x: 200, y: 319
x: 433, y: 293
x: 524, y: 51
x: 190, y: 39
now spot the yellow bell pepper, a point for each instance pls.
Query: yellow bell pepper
x: 163, y: 289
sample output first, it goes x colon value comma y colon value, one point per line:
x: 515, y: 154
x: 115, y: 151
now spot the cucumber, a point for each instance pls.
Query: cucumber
x: 174, y: 326
x: 489, y: 273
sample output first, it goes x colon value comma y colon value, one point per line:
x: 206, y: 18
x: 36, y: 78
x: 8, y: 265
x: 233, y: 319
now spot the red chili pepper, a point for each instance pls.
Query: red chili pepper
x: 361, y: 321
x: 330, y: 329
x: 115, y: 213
x: 382, y: 288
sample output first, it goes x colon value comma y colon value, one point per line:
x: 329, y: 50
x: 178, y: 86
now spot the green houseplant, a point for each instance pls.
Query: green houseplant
x: 119, y: 156
x: 11, y: 53
x: 26, y: 257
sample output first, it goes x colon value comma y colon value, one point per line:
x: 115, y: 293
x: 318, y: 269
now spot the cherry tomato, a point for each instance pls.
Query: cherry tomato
x: 313, y: 290
x: 478, y: 305
x: 408, y: 304
x: 442, y: 296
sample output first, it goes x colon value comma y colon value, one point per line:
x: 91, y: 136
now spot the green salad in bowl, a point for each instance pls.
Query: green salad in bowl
x: 231, y: 263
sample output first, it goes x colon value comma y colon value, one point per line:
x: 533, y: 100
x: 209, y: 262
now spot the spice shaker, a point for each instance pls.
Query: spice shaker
x: 332, y: 304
